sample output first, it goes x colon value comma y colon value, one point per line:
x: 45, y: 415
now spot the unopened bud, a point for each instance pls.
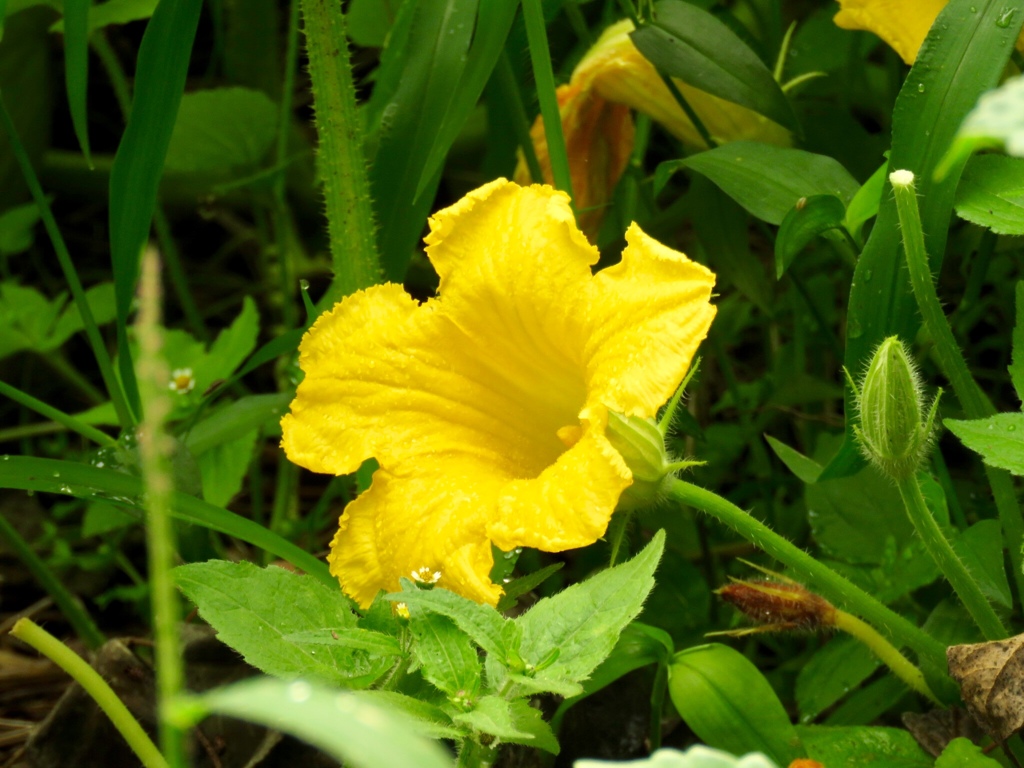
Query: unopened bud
x: 894, y: 433
x: 642, y: 446
x: 780, y: 606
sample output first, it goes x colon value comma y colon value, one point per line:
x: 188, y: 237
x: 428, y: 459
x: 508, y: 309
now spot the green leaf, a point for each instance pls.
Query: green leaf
x: 367, y: 22
x: 964, y: 54
x: 835, y: 670
x: 254, y: 610
x: 991, y: 194
x: 101, y: 517
x: 864, y: 205
x: 999, y: 439
x: 160, y: 71
x: 850, y: 517
x: 1016, y: 367
x: 223, y: 468
x: 963, y: 753
x: 447, y: 655
x: 236, y: 420
x: 583, y: 622
x: 351, y: 727
x: 221, y: 128
x: 17, y: 229
x: 28, y: 320
x: 689, y: 43
x: 514, y: 721
x: 94, y: 483
x: 376, y: 643
x: 482, y: 623
x: 419, y: 72
x: 804, y: 468
x: 430, y: 720
x: 100, y: 298
x: 76, y: 68
x: 232, y: 346
x: 728, y: 703
x: 114, y: 12
x: 810, y: 217
x: 980, y: 548
x: 863, y: 746
x: 997, y: 121
x: 767, y: 181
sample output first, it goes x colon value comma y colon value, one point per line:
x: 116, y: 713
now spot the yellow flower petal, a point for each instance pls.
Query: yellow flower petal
x: 486, y: 407
x: 652, y: 313
x: 902, y: 24
x: 434, y: 519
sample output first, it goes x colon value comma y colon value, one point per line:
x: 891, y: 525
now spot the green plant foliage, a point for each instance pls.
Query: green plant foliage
x: 808, y: 219
x: 999, y: 439
x: 863, y: 745
x: 29, y: 321
x: 837, y: 668
x: 363, y: 732
x: 991, y: 194
x: 687, y: 42
x: 728, y: 703
x: 963, y: 753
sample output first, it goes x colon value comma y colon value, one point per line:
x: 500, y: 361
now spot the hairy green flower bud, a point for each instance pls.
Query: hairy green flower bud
x: 642, y: 446
x: 894, y: 433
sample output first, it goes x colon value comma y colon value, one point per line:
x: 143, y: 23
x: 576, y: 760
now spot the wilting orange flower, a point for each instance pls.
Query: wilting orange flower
x: 612, y: 78
x: 487, y: 407
x: 902, y: 24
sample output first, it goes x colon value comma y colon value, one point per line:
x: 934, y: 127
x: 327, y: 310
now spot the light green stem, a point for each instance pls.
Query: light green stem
x: 951, y: 566
x: 68, y: 603
x: 342, y: 165
x: 31, y: 633
x: 48, y: 411
x: 154, y: 449
x: 92, y: 331
x: 540, y: 57
x: 833, y: 586
x: 975, y: 403
x: 885, y: 651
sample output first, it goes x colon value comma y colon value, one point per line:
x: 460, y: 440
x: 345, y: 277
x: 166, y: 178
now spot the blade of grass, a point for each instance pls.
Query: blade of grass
x: 341, y: 165
x: 76, y: 68
x: 86, y: 482
x: 68, y: 604
x: 49, y: 412
x: 160, y: 72
x: 508, y: 90
x: 543, y: 75
x: 154, y: 451
x: 92, y: 332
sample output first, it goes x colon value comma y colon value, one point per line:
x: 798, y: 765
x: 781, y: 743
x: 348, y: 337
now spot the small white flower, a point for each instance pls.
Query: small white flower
x: 182, y: 381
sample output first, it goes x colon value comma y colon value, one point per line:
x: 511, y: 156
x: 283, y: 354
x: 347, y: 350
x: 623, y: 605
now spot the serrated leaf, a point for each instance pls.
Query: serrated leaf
x: 728, y: 703
x: 999, y: 439
x: 482, y: 623
x: 964, y: 753
x: 991, y: 194
x: 430, y: 720
x: 254, y: 610
x: 767, y: 181
x: 220, y: 129
x: 348, y: 726
x: 447, y: 656
x: 493, y: 715
x: 809, y: 218
x: 689, y: 43
x: 227, y: 352
x: 584, y: 621
x: 348, y: 637
x: 17, y: 229
x: 224, y: 467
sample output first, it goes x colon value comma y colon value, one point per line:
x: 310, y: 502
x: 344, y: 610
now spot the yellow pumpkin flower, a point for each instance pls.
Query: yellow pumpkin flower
x: 612, y: 78
x: 486, y: 407
x: 902, y: 24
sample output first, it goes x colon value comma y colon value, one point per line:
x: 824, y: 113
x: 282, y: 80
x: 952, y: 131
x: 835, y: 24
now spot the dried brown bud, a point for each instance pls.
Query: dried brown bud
x: 780, y: 605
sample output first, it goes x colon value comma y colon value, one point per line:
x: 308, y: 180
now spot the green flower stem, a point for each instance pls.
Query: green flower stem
x: 951, y: 566
x: 474, y: 755
x: 68, y: 604
x: 342, y: 166
x: 92, y: 331
x: 975, y: 403
x: 32, y: 634
x: 512, y: 98
x: 154, y: 449
x: 543, y: 75
x: 49, y: 412
x: 833, y: 586
x: 684, y: 105
x: 885, y: 651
